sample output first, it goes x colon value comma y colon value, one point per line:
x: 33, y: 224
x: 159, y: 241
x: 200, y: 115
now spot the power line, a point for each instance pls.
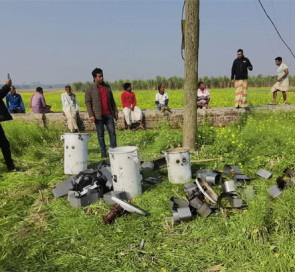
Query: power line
x: 276, y: 29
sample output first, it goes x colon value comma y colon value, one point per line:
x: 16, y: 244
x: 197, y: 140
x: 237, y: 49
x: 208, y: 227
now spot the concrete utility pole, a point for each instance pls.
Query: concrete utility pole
x: 191, y: 38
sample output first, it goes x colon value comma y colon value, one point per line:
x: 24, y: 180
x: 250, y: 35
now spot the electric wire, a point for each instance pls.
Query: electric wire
x: 276, y: 29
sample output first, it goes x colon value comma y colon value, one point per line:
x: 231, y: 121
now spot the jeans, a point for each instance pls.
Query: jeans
x: 5, y: 147
x: 108, y: 121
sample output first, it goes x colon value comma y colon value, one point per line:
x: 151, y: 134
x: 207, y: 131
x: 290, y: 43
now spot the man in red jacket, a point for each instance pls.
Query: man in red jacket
x: 132, y: 113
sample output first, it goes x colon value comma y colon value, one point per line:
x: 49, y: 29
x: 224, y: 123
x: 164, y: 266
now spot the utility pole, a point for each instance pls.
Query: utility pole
x: 191, y: 38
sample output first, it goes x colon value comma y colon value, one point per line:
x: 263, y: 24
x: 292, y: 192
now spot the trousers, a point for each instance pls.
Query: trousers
x: 5, y: 148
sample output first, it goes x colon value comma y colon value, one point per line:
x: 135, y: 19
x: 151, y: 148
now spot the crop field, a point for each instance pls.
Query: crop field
x: 40, y: 233
x: 145, y: 99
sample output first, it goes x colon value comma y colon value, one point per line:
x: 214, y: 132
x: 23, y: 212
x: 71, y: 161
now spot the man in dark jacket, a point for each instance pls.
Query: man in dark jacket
x: 5, y: 116
x: 239, y: 75
x: 102, y: 109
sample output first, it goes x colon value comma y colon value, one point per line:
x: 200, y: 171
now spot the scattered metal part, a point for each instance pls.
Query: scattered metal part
x: 229, y: 186
x: 202, y: 208
x: 63, y: 188
x: 264, y: 174
x: 78, y: 200
x: 141, y: 244
x: 159, y: 163
x: 274, y: 191
x: 190, y: 188
x: 207, y: 191
x: 241, y: 178
x: 128, y: 207
x: 153, y: 180
x: 119, y: 194
x: 210, y: 176
x: 182, y: 214
x: 147, y: 166
x: 114, y: 212
x: 235, y: 202
x: 231, y: 170
x: 289, y: 172
x: 177, y: 203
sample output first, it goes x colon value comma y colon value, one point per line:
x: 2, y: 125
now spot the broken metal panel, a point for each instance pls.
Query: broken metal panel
x: 264, y: 174
x: 235, y: 202
x: 210, y: 176
x: 147, y: 166
x: 182, y: 214
x: 229, y: 186
x: 241, y: 178
x: 177, y: 203
x: 87, y: 199
x: 190, y: 188
x: 63, y: 188
x: 204, y: 210
x: 153, y: 180
x: 231, y: 170
x: 289, y: 172
x: 159, y: 163
x: 274, y: 191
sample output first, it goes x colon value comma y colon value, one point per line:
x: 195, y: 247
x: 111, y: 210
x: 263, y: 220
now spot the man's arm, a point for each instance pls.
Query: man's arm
x: 233, y: 68
x: 7, y: 102
x: 22, y: 106
x: 88, y: 103
x: 5, y: 90
x: 249, y: 66
x: 284, y: 76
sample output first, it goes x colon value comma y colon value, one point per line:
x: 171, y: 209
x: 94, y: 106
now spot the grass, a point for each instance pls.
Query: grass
x: 40, y: 233
x: 145, y: 99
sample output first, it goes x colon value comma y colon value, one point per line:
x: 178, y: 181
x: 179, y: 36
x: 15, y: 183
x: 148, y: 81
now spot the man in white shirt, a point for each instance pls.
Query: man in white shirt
x: 162, y: 99
x: 70, y: 108
x: 282, y: 83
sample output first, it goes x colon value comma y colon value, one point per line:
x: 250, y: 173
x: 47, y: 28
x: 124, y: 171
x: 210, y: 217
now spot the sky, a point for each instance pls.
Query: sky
x: 63, y: 41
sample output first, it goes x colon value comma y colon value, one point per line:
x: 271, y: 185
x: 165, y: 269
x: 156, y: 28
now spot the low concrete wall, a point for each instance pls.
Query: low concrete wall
x: 217, y: 116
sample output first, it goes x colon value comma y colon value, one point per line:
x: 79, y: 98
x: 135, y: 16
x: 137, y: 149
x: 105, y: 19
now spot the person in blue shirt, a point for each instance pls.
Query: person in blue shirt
x: 14, y: 102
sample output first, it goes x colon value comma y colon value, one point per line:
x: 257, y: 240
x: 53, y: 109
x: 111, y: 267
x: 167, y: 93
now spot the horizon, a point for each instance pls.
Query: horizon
x: 63, y: 41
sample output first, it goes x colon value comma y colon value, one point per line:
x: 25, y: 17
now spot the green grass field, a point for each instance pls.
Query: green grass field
x: 145, y: 99
x: 40, y: 233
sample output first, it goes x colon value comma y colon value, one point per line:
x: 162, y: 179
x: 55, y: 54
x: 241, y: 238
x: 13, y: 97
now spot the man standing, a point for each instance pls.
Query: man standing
x: 5, y: 116
x: 282, y: 83
x: 239, y: 75
x: 102, y: 109
x: 14, y: 102
x: 131, y: 112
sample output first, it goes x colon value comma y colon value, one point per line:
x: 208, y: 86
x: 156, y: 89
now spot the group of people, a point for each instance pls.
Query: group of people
x: 102, y: 108
x: 239, y: 76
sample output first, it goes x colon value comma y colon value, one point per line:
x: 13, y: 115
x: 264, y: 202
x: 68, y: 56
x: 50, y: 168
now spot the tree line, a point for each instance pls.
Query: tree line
x: 176, y: 83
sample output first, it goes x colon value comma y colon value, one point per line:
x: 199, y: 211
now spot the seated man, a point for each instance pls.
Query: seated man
x: 131, y: 112
x: 70, y: 108
x: 203, y: 96
x: 162, y: 99
x: 14, y: 102
x: 38, y: 103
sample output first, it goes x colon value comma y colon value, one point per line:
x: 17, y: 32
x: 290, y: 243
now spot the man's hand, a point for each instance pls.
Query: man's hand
x: 233, y: 82
x: 132, y: 108
x: 116, y: 116
x: 8, y: 82
x: 92, y: 118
